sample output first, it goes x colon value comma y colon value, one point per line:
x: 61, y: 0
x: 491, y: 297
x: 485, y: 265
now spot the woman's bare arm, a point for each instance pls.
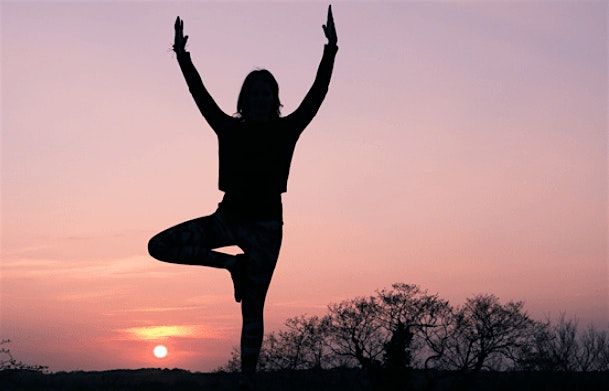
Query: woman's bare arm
x: 216, y: 118
x: 314, y: 98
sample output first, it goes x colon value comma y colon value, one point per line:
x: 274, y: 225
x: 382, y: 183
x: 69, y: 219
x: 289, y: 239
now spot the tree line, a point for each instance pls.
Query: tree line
x: 405, y: 327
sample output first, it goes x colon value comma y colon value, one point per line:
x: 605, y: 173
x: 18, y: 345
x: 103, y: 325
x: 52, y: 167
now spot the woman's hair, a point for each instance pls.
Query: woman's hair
x: 265, y: 76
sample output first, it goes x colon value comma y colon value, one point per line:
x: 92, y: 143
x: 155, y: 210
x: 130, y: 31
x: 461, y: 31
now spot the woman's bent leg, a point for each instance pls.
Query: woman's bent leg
x: 191, y: 243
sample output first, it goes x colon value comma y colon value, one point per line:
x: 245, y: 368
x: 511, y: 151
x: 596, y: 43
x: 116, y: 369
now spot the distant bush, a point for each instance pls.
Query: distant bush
x: 7, y: 361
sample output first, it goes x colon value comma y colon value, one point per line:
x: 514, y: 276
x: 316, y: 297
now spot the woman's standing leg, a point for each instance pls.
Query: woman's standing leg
x: 191, y: 243
x: 261, y: 242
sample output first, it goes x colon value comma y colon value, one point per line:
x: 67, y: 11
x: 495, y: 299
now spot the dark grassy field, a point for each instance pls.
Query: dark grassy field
x: 336, y: 379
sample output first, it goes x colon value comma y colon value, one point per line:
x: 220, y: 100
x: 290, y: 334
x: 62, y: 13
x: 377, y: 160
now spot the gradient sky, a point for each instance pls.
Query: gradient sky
x: 462, y: 147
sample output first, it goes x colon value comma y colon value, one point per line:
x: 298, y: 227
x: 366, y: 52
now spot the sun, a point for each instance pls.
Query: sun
x: 159, y: 351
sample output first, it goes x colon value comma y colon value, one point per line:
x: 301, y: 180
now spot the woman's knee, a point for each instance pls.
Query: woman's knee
x: 156, y: 248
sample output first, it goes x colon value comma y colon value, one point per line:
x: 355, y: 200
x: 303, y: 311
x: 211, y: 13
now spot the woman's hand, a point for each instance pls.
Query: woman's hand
x: 329, y: 29
x: 179, y: 40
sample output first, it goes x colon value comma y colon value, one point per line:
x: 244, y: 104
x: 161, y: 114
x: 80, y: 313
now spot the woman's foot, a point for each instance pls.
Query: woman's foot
x: 237, y: 274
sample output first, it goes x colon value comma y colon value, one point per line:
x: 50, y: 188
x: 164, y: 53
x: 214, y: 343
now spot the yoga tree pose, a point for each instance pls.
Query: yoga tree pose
x: 255, y: 151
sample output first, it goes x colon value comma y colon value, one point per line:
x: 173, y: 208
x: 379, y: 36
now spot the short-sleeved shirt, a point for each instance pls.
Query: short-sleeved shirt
x: 255, y: 156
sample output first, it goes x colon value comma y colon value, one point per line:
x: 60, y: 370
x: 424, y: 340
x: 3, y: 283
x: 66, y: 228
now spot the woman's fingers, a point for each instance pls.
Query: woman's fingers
x: 179, y: 24
x: 330, y: 17
x: 329, y: 29
x: 330, y: 22
x: 180, y: 39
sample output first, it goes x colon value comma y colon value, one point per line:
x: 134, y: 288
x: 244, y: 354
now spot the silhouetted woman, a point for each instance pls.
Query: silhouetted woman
x: 255, y: 151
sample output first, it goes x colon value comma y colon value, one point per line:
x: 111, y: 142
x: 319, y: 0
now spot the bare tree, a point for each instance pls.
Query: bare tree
x: 484, y: 334
x: 303, y: 345
x: 603, y: 358
x: 537, y: 355
x: 591, y: 345
x: 437, y: 334
x: 355, y: 331
x: 406, y: 313
x: 317, y: 352
x: 561, y: 346
x: 564, y: 344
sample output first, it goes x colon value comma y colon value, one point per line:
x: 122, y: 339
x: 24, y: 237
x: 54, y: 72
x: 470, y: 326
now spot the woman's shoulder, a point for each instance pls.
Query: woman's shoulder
x: 268, y: 123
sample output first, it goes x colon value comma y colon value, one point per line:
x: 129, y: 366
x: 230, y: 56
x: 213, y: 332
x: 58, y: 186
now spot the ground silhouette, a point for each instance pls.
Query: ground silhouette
x: 294, y: 380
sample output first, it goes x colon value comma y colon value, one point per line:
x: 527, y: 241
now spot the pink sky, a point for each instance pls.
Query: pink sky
x: 461, y: 147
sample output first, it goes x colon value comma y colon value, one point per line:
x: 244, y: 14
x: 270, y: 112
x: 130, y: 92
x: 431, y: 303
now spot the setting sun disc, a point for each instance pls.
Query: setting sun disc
x: 159, y: 351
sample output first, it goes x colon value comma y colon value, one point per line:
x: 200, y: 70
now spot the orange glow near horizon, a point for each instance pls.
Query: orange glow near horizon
x: 157, y: 332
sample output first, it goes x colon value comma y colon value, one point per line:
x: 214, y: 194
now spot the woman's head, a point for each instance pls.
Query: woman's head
x: 259, y: 96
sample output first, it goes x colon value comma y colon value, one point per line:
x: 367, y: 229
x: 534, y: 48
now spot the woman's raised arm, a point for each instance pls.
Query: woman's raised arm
x: 215, y: 117
x: 301, y: 117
